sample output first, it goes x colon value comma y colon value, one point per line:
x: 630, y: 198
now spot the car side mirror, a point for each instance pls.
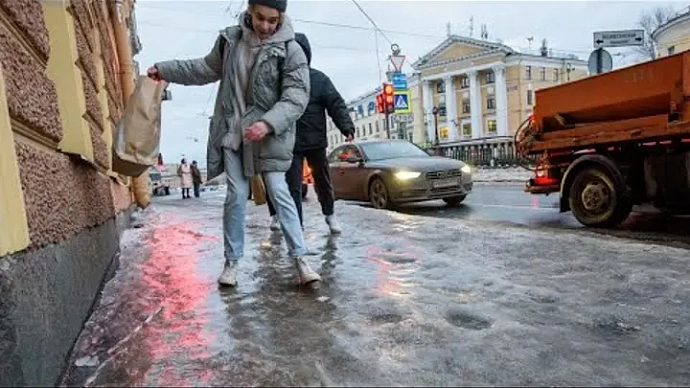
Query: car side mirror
x: 354, y: 159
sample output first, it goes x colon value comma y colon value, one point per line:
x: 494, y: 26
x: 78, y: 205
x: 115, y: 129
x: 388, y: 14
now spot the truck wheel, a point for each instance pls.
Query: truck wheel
x: 596, y: 201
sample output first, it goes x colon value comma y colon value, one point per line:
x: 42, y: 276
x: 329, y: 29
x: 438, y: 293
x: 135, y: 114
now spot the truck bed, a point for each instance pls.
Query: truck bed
x: 642, y: 103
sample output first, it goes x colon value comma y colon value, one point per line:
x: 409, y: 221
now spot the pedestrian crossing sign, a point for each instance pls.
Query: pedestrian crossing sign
x: 402, y: 102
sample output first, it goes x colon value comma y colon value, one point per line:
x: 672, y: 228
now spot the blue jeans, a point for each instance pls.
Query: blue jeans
x: 234, y: 210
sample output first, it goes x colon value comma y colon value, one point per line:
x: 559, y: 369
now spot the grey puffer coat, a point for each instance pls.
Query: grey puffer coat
x: 276, y: 97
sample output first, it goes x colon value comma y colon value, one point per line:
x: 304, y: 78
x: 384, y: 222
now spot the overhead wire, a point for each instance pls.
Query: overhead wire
x: 363, y: 28
x: 373, y: 23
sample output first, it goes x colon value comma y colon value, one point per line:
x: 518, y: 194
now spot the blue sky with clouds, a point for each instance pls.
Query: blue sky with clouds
x: 345, y: 45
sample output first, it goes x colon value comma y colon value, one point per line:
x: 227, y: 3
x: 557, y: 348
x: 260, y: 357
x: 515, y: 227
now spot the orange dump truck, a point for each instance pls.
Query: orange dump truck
x: 614, y: 140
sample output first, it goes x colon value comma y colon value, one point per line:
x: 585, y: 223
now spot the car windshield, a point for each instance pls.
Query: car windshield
x: 392, y: 150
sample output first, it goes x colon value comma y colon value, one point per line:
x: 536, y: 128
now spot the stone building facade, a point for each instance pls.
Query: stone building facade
x: 61, y: 207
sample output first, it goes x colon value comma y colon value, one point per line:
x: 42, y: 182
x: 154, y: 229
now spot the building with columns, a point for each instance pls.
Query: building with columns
x: 482, y: 90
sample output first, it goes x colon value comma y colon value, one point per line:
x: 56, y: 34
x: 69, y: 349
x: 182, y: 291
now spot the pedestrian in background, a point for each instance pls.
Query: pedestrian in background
x: 185, y: 174
x: 196, y: 178
x: 312, y: 141
x: 252, y: 130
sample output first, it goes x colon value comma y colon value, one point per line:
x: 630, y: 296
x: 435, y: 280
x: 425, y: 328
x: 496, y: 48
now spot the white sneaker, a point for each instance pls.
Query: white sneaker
x: 306, y: 274
x: 275, y: 224
x: 333, y: 224
x: 229, y: 275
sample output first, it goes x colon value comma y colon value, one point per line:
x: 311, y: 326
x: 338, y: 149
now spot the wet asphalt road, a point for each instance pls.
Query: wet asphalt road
x: 406, y: 300
x: 508, y: 204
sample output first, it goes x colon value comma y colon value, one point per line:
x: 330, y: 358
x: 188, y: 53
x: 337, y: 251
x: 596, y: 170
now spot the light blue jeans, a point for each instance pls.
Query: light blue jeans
x: 234, y: 210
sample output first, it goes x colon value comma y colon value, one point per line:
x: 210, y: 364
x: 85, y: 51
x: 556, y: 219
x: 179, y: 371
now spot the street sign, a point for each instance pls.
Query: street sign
x: 399, y: 81
x: 402, y: 102
x: 622, y: 38
x: 397, y: 61
x: 600, y: 61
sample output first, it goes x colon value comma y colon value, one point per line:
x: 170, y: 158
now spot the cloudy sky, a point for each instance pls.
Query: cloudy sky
x: 345, y: 44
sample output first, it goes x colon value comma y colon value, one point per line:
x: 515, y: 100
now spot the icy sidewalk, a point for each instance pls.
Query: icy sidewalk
x: 406, y: 300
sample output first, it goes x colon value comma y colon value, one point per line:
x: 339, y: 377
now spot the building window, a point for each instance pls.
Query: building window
x: 530, y: 97
x: 442, y: 109
x: 528, y: 72
x: 371, y: 129
x: 671, y: 50
x: 467, y: 130
x: 466, y: 107
x: 490, y: 77
x: 555, y: 75
x: 491, y: 126
x: 440, y: 87
x: 491, y: 102
x: 543, y: 74
x: 464, y: 82
x: 358, y: 132
x: 377, y: 127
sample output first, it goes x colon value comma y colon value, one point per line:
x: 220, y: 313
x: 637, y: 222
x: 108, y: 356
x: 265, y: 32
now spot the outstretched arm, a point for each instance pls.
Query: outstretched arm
x: 200, y: 71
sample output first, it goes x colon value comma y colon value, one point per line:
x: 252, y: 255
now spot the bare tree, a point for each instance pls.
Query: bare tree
x: 649, y: 22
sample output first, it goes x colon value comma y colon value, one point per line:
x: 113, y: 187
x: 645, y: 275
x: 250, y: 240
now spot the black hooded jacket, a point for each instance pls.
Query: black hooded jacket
x: 311, y: 127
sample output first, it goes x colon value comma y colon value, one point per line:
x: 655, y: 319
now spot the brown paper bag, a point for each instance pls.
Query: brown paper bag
x: 258, y: 190
x: 136, y: 140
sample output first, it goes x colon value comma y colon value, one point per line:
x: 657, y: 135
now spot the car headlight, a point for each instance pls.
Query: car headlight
x: 466, y: 169
x: 407, y: 175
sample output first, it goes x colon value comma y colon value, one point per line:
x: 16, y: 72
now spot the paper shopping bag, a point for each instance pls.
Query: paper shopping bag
x: 258, y: 190
x: 136, y: 140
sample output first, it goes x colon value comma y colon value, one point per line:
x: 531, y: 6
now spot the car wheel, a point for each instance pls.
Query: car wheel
x: 454, y: 201
x: 596, y: 201
x: 378, y: 194
x: 305, y: 190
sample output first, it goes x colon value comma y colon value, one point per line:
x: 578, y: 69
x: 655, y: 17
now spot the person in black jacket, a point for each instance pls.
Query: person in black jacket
x: 312, y: 140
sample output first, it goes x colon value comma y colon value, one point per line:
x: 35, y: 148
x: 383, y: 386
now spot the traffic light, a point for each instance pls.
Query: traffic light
x: 389, y: 98
x: 379, y: 103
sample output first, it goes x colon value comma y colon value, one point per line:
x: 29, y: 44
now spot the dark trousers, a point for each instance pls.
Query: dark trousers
x: 318, y: 161
x: 185, y: 193
x: 196, y: 190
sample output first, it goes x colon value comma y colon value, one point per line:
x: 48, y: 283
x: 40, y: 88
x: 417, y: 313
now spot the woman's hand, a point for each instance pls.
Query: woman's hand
x: 256, y: 131
x: 152, y: 73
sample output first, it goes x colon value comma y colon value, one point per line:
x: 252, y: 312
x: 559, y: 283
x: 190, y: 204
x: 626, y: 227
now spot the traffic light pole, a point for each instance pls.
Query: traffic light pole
x: 388, y: 126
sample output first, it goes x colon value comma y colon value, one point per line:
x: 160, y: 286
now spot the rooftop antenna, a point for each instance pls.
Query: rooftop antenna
x: 471, y: 25
x: 485, y: 32
x: 529, y: 41
x: 448, y: 29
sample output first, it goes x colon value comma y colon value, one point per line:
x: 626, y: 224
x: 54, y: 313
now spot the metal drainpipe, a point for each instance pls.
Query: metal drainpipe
x: 124, y: 55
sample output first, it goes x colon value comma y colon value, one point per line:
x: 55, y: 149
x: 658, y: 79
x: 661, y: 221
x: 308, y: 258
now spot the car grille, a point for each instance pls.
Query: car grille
x: 443, y: 174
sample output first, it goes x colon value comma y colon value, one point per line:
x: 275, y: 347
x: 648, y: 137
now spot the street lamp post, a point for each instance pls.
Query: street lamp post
x: 435, y: 112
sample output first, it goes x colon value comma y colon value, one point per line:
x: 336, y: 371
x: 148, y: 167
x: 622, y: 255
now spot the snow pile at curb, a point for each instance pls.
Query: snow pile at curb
x: 510, y: 174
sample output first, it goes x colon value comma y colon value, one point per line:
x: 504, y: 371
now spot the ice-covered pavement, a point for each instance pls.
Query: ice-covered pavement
x: 406, y: 300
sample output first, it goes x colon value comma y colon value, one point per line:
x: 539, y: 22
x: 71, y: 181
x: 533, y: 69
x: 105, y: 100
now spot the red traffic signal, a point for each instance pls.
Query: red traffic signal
x: 379, y: 103
x: 389, y: 98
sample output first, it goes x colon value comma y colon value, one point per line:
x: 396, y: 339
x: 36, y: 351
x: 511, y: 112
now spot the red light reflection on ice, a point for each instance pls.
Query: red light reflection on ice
x: 179, y: 332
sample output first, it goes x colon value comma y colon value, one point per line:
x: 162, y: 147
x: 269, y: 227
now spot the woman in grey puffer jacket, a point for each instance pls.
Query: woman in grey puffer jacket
x: 264, y: 89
